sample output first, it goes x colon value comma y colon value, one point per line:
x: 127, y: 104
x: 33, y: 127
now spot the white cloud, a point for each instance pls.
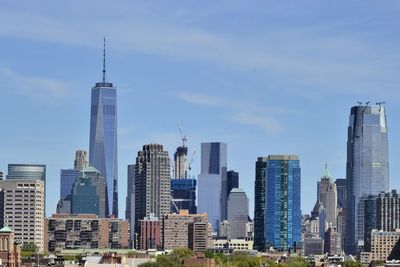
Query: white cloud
x: 37, y: 88
x: 258, y: 120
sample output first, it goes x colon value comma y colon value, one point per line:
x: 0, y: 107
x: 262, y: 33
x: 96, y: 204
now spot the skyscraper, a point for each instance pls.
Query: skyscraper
x: 183, y: 195
x: 282, y: 204
x: 85, y: 197
x: 180, y: 163
x: 212, y: 183
x: 259, y: 203
x: 67, y: 180
x: 25, y: 215
x: 130, y: 200
x: 232, y: 178
x: 327, y: 196
x: 367, y: 170
x: 103, y: 138
x: 152, y: 182
x: 81, y: 160
x: 28, y: 172
x: 238, y: 213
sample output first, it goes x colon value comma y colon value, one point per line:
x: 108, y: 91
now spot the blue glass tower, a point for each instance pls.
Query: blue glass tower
x: 367, y: 168
x: 282, y: 202
x: 103, y: 138
x: 67, y: 180
x: 183, y: 195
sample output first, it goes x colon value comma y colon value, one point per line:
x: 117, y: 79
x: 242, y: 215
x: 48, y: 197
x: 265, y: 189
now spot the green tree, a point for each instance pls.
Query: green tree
x: 352, y: 264
x: 29, y: 247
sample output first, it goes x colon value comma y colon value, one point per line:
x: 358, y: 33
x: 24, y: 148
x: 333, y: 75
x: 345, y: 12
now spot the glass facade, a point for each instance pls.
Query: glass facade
x: 367, y: 171
x: 259, y: 203
x: 212, y: 183
x: 67, y: 180
x: 282, y: 219
x: 232, y: 178
x: 183, y: 195
x: 85, y: 199
x: 103, y: 140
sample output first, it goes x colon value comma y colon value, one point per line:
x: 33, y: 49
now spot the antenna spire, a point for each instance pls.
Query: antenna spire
x: 104, y: 60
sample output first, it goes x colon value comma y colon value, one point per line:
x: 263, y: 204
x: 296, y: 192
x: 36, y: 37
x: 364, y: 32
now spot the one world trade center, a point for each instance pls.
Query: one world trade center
x: 103, y: 138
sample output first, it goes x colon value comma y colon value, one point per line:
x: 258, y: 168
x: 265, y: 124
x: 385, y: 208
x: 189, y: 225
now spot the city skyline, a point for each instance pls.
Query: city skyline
x: 53, y: 103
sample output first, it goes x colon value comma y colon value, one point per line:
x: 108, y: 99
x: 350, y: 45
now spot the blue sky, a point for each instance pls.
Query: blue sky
x: 266, y: 77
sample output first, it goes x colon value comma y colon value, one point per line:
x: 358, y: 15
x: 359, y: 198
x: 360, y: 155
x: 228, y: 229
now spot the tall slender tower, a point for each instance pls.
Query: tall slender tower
x: 259, y: 202
x: 367, y: 169
x: 212, y: 184
x: 152, y: 183
x: 282, y: 202
x: 103, y: 138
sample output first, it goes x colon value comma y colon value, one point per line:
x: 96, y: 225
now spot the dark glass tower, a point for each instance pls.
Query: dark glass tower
x: 183, y: 195
x: 103, y: 138
x: 259, y: 203
x: 282, y: 202
x: 232, y: 180
x: 367, y: 170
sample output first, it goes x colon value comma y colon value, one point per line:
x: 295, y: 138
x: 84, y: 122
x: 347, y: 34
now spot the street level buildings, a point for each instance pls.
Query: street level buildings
x: 85, y: 231
x: 176, y: 229
x: 10, y: 252
x: 382, y: 243
x: 150, y: 233
x: 24, y: 209
x: 212, y: 183
x: 103, y: 138
x: 367, y: 171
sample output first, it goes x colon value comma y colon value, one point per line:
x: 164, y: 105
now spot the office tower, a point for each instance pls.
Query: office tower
x: 130, y: 201
x: 388, y: 211
x: 150, y: 233
x: 232, y: 178
x: 152, y: 182
x: 176, y: 228
x: 282, y: 205
x: 1, y: 175
x: 24, y: 209
x: 10, y: 253
x: 341, y: 189
x: 85, y: 231
x: 367, y: 171
x: 198, y: 236
x: 319, y: 215
x: 183, y: 195
x: 180, y: 162
x: 369, y: 218
x: 212, y: 183
x: 81, y: 160
x: 238, y: 213
x: 28, y: 172
x: 98, y: 180
x: 103, y: 138
x: 259, y: 203
x: 67, y: 180
x: 85, y: 197
x: 327, y: 196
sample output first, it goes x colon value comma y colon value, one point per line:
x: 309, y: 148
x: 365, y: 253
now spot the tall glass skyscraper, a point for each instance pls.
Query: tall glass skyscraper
x: 259, y: 203
x: 367, y: 168
x: 212, y: 183
x: 67, y: 180
x: 103, y: 139
x: 282, y: 202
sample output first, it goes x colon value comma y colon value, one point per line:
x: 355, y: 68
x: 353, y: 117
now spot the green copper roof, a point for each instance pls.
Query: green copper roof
x: 6, y: 229
x: 90, y: 169
x: 326, y: 173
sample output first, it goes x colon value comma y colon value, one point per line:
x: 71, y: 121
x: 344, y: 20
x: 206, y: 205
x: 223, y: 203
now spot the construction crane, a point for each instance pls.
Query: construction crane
x: 190, y: 163
x: 184, y: 138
